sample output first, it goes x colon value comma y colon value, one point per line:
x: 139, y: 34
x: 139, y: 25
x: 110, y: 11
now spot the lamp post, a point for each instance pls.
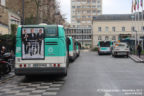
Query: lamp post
x: 22, y: 12
x: 135, y: 41
x: 82, y: 37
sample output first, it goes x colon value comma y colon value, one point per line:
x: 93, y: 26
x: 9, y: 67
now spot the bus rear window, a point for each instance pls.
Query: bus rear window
x: 51, y: 32
x: 105, y: 44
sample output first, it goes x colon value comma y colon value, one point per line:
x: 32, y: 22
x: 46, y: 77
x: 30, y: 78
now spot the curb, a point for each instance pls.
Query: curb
x: 136, y: 59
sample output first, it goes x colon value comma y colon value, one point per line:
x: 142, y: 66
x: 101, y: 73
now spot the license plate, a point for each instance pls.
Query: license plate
x: 121, y: 53
x: 39, y: 65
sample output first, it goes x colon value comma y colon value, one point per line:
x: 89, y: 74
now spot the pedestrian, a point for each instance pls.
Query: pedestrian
x: 3, y: 50
x: 139, y: 50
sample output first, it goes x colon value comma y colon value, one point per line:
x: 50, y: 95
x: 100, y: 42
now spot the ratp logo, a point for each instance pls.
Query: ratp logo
x: 50, y: 49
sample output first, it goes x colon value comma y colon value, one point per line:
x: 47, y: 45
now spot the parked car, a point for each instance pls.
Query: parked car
x: 121, y: 49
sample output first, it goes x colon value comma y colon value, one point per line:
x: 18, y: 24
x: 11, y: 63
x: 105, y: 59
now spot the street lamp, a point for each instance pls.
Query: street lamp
x: 135, y: 41
x: 82, y: 37
x: 22, y: 12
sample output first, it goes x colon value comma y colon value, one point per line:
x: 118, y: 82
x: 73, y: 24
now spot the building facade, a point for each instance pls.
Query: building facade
x: 116, y: 27
x: 7, y: 18
x: 82, y: 12
x: 3, y: 29
x: 83, y: 35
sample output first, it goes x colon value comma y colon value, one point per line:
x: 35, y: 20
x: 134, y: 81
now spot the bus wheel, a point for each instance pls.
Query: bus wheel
x: 27, y: 76
x: 65, y: 74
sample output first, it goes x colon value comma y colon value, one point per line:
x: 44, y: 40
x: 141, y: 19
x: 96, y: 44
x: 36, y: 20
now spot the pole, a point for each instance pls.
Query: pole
x: 135, y: 32
x: 142, y: 28
x: 82, y: 37
x: 22, y: 12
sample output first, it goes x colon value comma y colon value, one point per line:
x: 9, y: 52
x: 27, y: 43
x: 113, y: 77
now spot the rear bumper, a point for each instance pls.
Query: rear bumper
x: 40, y: 71
x: 105, y: 52
x: 121, y: 53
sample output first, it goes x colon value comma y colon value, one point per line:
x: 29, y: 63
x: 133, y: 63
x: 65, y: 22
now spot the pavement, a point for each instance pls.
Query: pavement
x: 137, y: 59
x: 7, y: 77
x: 89, y: 75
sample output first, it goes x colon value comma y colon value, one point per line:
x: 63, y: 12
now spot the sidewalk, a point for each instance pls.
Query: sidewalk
x: 7, y: 77
x: 137, y: 59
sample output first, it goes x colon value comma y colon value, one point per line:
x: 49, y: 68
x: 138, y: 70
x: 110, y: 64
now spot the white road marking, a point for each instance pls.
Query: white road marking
x: 107, y: 94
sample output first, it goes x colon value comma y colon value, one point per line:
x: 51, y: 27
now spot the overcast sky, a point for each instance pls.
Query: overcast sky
x: 109, y: 7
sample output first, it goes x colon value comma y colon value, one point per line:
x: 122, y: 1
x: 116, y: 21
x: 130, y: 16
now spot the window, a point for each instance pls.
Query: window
x: 78, y: 21
x: 99, y: 6
x: 123, y: 29
x: 89, y: 26
x: 133, y: 29
x: 106, y: 38
x: 99, y: 29
x: 51, y: 32
x: 88, y: 1
x: 88, y: 11
x: 89, y: 16
x: 106, y: 29
x: 94, y: 1
x: 113, y: 38
x: 78, y: 7
x: 93, y: 6
x: 94, y: 11
x: 73, y: 6
x: 142, y: 28
x: 99, y: 38
x: 113, y: 29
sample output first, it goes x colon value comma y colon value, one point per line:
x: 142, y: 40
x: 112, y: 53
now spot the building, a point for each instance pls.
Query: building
x: 3, y: 29
x: 7, y: 19
x: 47, y: 11
x: 83, y: 35
x: 116, y: 27
x: 82, y: 12
x: 3, y: 2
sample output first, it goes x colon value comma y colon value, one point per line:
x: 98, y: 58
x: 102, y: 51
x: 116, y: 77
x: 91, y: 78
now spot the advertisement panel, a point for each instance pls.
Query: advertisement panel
x: 32, y: 43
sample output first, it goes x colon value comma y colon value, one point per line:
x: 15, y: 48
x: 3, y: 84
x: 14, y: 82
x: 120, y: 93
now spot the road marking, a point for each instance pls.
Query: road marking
x: 107, y: 94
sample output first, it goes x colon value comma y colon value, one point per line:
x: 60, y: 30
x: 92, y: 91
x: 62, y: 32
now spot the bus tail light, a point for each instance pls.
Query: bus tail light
x: 25, y: 65
x: 54, y: 65
x: 58, y: 65
x: 20, y: 65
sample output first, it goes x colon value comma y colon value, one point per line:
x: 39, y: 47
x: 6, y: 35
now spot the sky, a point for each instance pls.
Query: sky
x: 109, y: 7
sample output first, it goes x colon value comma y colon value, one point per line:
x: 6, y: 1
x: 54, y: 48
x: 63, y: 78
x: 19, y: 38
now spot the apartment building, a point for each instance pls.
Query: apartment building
x: 83, y: 35
x: 115, y: 27
x: 82, y: 12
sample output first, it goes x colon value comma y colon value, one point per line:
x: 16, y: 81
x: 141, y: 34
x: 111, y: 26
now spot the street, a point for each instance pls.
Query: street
x: 89, y: 75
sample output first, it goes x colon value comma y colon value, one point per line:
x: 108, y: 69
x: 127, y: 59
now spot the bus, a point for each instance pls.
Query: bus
x: 72, y: 49
x: 78, y: 47
x: 41, y: 50
x: 105, y: 47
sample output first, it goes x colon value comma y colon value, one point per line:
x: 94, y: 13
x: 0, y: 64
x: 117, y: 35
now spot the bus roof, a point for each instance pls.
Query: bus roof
x: 40, y: 26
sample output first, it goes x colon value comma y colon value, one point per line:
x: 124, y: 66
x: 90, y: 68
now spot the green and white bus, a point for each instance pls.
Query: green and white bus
x: 41, y: 50
x: 78, y: 47
x: 72, y: 49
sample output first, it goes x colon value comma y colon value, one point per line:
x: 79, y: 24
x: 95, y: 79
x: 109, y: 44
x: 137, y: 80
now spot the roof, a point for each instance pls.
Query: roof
x: 41, y: 25
x: 117, y: 17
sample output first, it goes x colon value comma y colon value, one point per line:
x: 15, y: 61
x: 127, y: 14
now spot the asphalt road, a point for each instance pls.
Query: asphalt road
x: 93, y: 75
x: 89, y: 75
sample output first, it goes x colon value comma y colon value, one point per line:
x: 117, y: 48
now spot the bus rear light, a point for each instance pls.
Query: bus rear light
x: 58, y: 65
x: 20, y: 65
x: 25, y: 65
x: 54, y: 65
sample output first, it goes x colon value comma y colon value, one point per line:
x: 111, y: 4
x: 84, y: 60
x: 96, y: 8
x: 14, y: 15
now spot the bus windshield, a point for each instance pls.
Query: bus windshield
x: 52, y: 31
x: 105, y: 44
